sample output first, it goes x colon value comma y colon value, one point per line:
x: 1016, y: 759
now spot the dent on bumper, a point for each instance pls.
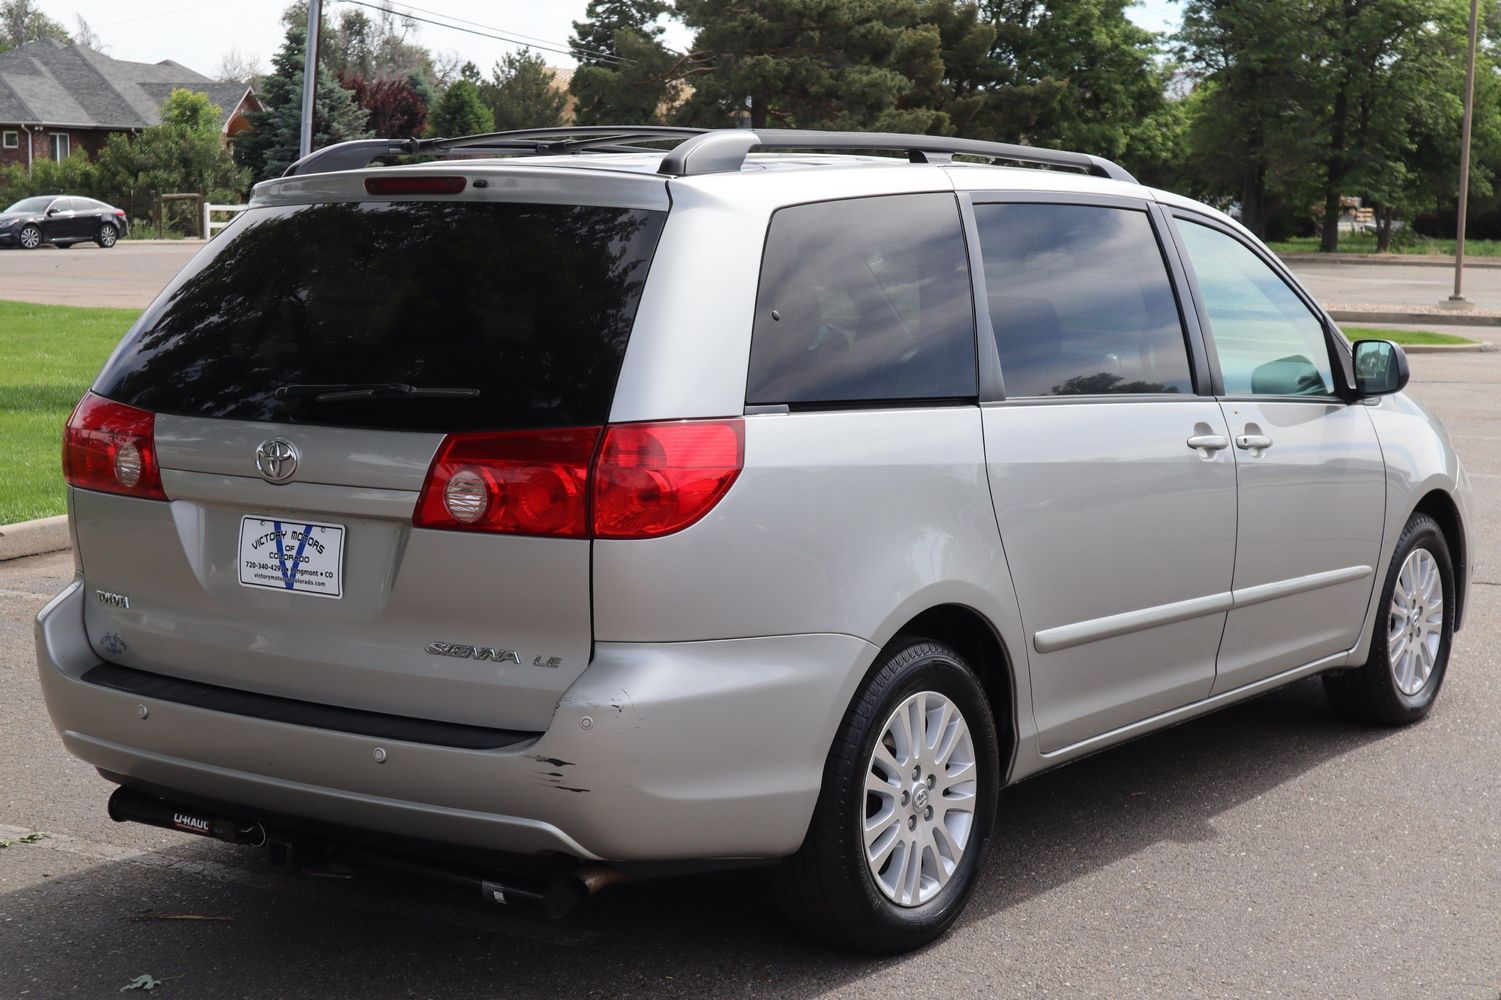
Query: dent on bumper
x: 658, y: 751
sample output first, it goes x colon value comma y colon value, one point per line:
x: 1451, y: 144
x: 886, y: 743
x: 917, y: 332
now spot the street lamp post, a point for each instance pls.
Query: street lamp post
x: 310, y: 80
x: 1464, y: 157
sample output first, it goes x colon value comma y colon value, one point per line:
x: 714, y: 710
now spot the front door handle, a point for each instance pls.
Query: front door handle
x: 1207, y: 444
x: 1254, y: 443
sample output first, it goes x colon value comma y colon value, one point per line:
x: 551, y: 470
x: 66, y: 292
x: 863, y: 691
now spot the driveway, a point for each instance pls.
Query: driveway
x: 128, y: 275
x: 1268, y: 850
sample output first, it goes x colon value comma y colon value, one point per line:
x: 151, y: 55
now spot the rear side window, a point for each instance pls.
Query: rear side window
x: 1080, y: 301
x: 530, y: 305
x: 864, y: 300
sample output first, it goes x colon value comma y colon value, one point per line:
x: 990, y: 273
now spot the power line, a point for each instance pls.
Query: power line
x: 540, y: 41
x: 491, y: 33
x: 165, y: 13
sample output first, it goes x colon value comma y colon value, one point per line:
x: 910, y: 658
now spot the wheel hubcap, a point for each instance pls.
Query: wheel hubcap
x: 921, y: 786
x: 29, y: 238
x: 1415, y: 621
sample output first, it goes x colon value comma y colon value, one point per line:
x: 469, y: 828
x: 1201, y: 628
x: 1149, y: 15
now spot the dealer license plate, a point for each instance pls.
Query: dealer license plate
x: 301, y: 557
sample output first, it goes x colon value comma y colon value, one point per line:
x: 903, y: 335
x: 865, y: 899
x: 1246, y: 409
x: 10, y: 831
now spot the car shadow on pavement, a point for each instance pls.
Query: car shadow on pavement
x: 93, y: 926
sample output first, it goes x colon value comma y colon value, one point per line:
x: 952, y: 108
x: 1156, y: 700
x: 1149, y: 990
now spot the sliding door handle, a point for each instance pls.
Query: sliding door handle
x: 1207, y: 444
x: 1254, y: 443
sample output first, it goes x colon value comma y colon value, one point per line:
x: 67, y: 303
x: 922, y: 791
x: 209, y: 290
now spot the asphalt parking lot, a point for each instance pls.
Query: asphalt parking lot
x: 1268, y: 850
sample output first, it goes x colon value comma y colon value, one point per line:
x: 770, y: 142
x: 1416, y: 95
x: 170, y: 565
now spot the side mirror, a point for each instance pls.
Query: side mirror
x: 52, y: 211
x: 1380, y: 368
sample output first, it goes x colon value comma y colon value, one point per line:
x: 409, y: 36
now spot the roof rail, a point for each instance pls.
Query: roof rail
x: 725, y: 150
x: 521, y: 142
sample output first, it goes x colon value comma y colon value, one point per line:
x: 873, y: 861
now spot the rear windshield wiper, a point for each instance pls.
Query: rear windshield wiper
x: 375, y: 390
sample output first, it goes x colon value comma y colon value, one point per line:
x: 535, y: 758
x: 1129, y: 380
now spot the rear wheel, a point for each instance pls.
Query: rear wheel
x: 903, y: 819
x: 1414, y: 627
x: 30, y: 237
x: 108, y: 234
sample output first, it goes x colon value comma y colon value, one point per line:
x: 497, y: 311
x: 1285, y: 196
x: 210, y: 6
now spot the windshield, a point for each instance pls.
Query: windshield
x: 531, y: 305
x: 32, y: 204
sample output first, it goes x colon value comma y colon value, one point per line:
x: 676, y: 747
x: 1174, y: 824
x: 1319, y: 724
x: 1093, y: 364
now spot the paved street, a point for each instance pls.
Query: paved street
x: 1270, y: 850
x: 129, y: 275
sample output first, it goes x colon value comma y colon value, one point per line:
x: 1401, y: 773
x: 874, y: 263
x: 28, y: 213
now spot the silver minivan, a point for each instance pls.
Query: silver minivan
x: 594, y: 509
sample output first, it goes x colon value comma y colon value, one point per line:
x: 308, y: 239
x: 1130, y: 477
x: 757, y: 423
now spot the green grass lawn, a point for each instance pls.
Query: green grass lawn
x: 1366, y: 243
x: 1405, y: 337
x: 48, y: 357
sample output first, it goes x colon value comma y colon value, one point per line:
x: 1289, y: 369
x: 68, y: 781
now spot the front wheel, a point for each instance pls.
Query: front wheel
x: 903, y: 820
x: 108, y: 234
x: 1401, y: 678
x: 30, y: 237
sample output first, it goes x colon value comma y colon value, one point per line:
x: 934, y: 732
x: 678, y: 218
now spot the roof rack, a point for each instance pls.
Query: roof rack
x: 726, y: 149
x: 520, y: 142
x: 700, y: 151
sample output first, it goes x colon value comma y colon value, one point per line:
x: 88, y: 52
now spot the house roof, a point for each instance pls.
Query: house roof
x: 50, y: 82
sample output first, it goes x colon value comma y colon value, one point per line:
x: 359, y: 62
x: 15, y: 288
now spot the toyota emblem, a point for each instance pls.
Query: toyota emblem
x: 277, y: 460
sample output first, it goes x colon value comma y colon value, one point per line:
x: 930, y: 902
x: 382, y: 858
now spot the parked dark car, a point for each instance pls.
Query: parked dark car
x: 61, y: 220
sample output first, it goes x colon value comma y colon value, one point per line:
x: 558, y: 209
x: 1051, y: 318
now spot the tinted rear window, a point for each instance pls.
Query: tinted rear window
x: 530, y: 304
x: 864, y: 300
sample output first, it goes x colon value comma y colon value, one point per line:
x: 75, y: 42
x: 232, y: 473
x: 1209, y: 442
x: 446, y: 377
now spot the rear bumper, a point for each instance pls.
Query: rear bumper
x: 658, y: 752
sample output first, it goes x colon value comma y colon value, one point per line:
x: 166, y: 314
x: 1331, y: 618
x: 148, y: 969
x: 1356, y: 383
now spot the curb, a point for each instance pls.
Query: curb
x: 1409, y: 259
x: 1444, y: 318
x: 32, y: 538
x: 1476, y: 348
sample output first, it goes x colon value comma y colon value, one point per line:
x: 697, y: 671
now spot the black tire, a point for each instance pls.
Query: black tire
x: 827, y: 889
x: 1370, y: 692
x: 29, y: 238
x: 108, y: 235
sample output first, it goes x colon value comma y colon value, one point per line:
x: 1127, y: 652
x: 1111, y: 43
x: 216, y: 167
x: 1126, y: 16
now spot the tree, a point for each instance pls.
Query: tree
x: 271, y: 143
x: 843, y: 64
x: 239, y: 67
x: 87, y: 36
x: 1071, y: 73
x: 22, y: 21
x: 460, y: 111
x: 396, y: 109
x: 1250, y: 122
x: 522, y: 93
x: 625, y: 74
x: 374, y: 48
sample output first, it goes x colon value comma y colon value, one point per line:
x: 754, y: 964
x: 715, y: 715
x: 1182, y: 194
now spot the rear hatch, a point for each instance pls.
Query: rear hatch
x: 301, y: 375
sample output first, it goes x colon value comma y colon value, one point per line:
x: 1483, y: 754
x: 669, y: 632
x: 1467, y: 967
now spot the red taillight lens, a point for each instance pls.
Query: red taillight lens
x: 654, y: 479
x: 514, y: 482
x: 111, y: 448
x: 414, y: 185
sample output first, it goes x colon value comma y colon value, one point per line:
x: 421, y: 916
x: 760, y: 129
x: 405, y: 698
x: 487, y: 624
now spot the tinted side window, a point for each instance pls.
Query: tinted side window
x: 1080, y: 301
x: 866, y: 299
x: 1269, y: 343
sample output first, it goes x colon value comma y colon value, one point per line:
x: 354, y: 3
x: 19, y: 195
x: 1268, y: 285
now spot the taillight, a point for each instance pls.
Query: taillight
x: 111, y: 448
x: 657, y: 478
x: 514, y: 482
x: 641, y: 480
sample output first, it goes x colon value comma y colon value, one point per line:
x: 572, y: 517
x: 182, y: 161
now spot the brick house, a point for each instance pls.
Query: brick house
x: 57, y: 98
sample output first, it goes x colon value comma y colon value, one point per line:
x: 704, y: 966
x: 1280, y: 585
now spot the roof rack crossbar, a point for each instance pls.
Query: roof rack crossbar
x: 536, y: 141
x: 726, y: 149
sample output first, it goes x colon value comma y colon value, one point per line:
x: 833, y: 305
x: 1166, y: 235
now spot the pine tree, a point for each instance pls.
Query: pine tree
x: 270, y: 145
x: 460, y: 111
x: 840, y: 64
x: 521, y: 93
x: 625, y: 74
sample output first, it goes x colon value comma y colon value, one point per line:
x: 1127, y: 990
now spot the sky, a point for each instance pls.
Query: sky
x: 197, y: 33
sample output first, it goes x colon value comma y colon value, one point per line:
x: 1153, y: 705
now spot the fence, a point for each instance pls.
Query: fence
x: 210, y: 227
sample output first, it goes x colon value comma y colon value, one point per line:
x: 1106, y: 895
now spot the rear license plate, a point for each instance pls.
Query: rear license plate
x: 302, y: 557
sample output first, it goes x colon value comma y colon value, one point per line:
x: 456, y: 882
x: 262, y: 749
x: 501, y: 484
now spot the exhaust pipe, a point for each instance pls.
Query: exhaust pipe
x: 128, y: 805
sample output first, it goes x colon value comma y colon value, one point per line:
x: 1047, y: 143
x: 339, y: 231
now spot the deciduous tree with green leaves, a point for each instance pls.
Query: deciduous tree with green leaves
x: 523, y: 93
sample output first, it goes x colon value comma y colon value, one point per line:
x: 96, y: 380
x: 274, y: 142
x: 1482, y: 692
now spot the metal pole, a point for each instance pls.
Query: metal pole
x: 1464, y: 157
x: 310, y: 77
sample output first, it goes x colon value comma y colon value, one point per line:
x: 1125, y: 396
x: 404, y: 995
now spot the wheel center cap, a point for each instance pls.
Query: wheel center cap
x: 920, y: 798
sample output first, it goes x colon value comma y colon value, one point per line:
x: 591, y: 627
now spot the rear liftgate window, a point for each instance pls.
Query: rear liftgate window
x: 531, y: 305
x: 864, y: 300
